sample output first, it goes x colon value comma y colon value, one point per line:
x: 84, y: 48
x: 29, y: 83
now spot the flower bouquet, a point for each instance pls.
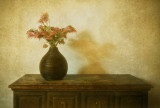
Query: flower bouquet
x: 53, y: 35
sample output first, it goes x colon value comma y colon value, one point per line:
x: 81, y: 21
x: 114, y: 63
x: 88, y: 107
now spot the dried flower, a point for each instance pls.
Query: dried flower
x: 69, y: 29
x: 45, y: 46
x: 53, y: 35
x: 44, y: 18
x: 32, y: 33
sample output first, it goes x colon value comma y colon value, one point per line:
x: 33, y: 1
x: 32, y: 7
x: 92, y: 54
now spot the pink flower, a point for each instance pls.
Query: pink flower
x: 48, y: 37
x: 52, y: 33
x: 44, y: 18
x: 32, y: 33
x: 69, y: 29
x: 56, y: 29
x: 44, y: 33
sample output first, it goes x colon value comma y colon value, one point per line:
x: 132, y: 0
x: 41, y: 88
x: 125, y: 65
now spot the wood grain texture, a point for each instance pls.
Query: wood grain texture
x: 82, y: 82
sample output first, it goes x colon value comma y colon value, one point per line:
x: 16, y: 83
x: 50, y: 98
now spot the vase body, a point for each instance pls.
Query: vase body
x: 53, y: 65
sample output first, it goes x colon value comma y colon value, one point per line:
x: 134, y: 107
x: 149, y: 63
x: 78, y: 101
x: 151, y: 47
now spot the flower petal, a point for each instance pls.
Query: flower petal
x: 45, y: 46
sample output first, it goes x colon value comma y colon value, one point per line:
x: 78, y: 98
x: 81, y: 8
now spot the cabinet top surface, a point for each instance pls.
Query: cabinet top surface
x: 82, y: 81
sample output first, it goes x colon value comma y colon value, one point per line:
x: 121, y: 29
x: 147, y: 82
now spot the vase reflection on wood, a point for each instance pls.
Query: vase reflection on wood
x: 53, y: 66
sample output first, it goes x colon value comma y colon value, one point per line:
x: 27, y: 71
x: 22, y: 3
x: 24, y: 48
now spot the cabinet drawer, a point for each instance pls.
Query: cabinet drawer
x: 29, y: 100
x: 98, y: 100
x: 63, y: 100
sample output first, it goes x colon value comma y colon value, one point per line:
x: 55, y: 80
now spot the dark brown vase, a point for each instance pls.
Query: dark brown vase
x: 53, y: 65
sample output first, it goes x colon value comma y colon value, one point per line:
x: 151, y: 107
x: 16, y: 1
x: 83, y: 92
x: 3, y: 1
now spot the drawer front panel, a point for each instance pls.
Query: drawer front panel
x: 29, y: 100
x: 131, y: 101
x: 63, y: 100
x: 98, y: 100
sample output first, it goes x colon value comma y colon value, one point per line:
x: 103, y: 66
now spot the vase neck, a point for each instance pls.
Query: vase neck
x: 53, y: 48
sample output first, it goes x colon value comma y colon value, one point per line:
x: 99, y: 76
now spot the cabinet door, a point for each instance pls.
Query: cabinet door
x: 131, y: 100
x: 97, y: 100
x: 29, y: 100
x: 63, y: 100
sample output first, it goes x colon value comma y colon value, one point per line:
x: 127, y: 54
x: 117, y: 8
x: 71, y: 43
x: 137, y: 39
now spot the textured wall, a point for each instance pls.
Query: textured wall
x: 114, y: 36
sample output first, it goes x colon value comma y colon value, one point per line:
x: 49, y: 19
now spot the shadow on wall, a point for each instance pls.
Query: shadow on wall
x: 94, y: 52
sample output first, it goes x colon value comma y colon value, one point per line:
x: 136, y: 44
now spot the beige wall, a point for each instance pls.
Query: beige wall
x: 114, y: 37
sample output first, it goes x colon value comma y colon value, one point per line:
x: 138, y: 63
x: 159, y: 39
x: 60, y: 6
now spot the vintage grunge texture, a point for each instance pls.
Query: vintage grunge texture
x: 114, y: 37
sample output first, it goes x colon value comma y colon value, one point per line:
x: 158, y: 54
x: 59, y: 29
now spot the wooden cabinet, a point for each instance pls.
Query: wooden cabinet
x: 81, y: 91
